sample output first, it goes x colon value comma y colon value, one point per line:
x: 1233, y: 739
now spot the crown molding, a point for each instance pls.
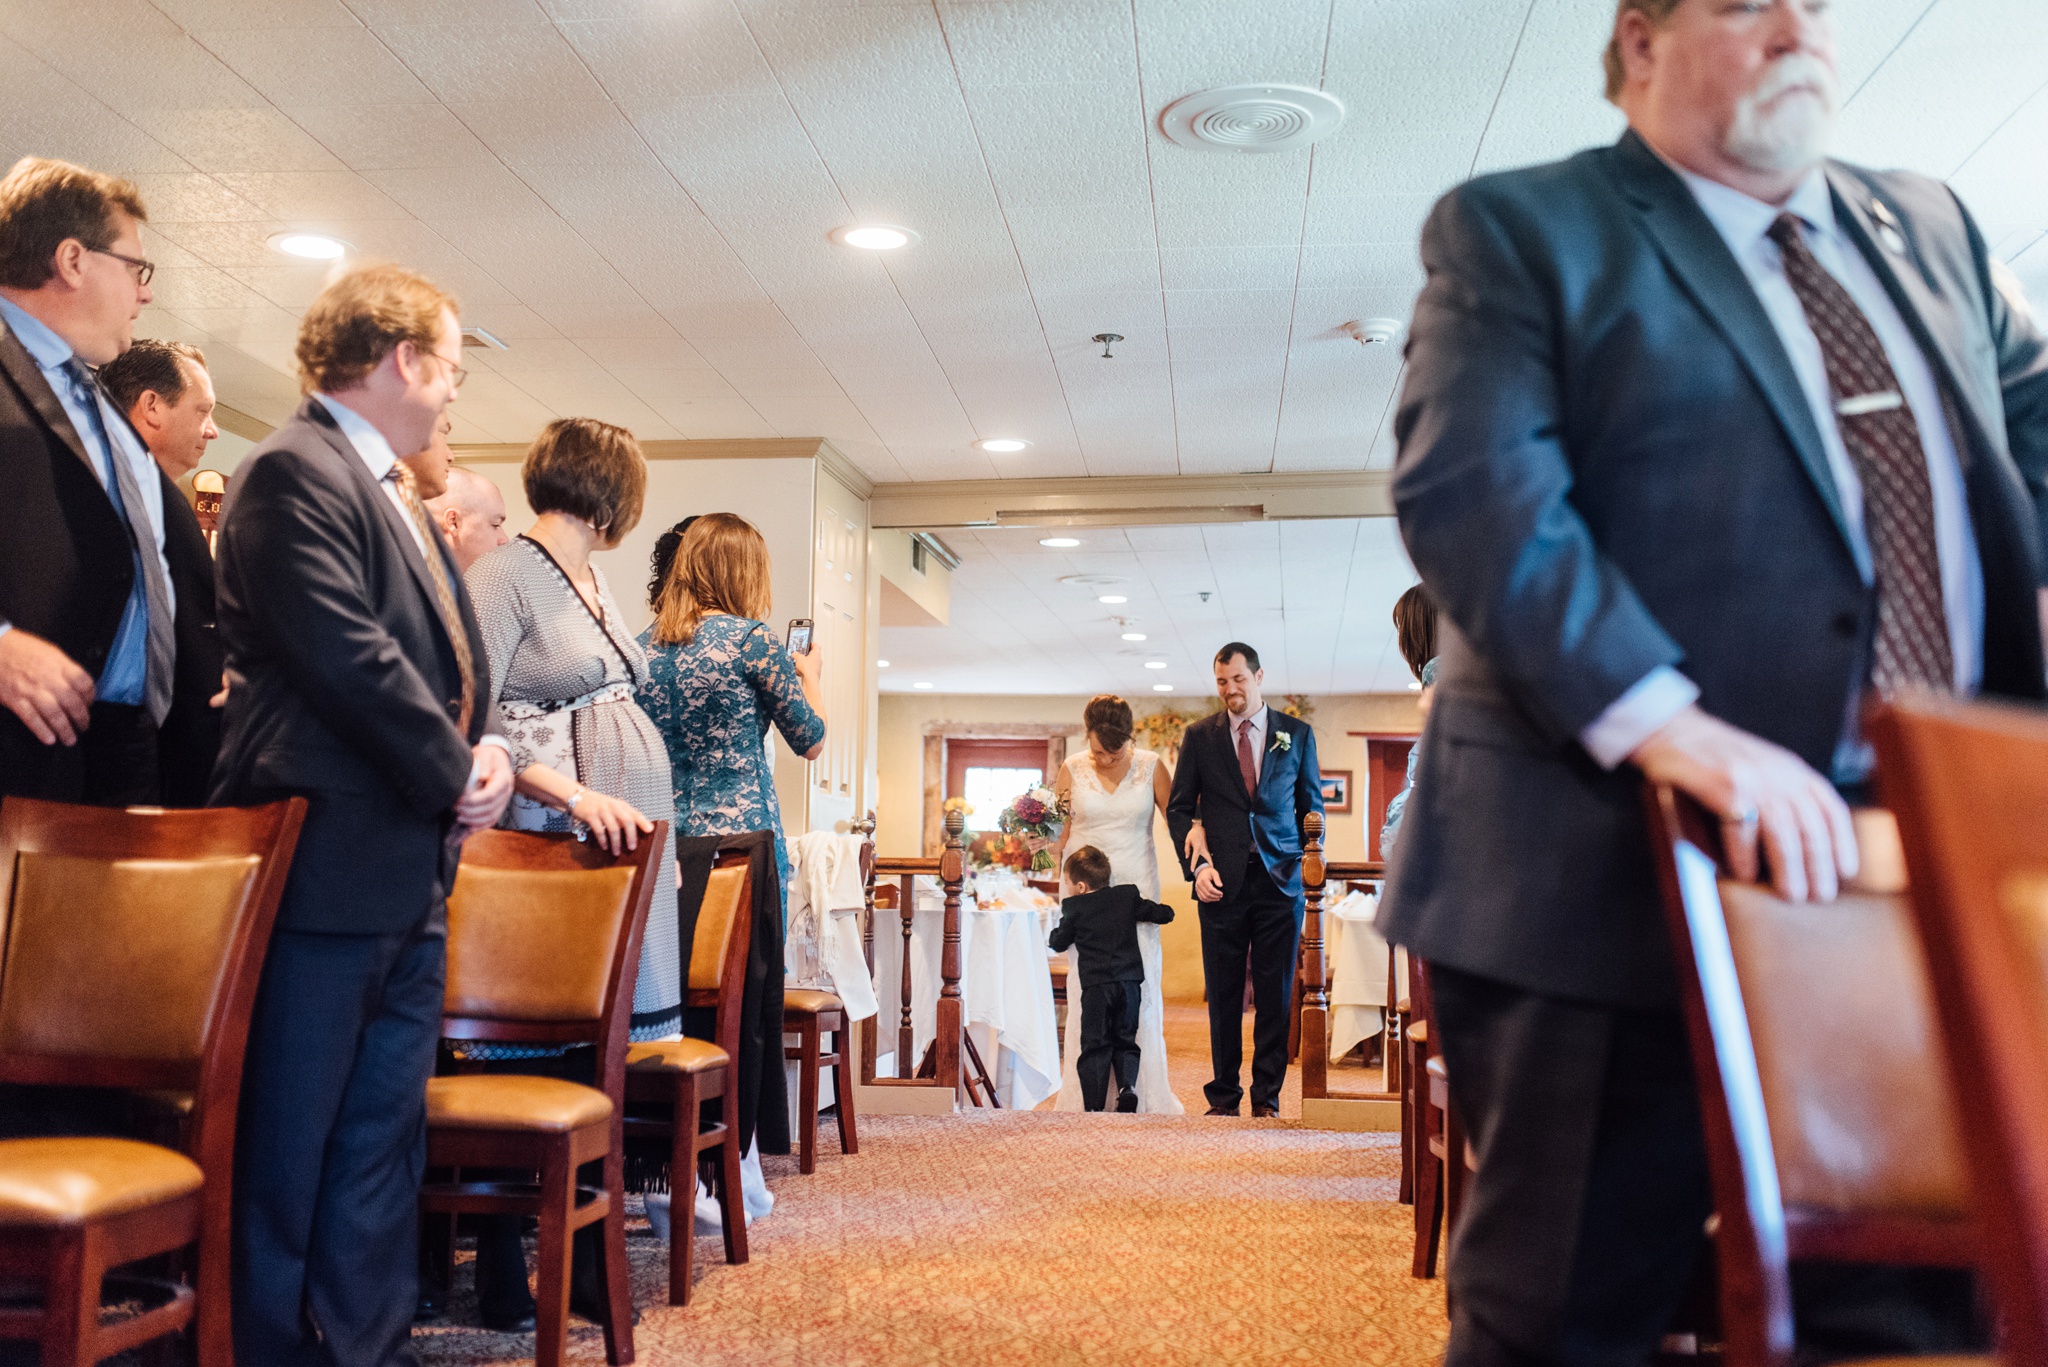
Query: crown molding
x: 1123, y: 501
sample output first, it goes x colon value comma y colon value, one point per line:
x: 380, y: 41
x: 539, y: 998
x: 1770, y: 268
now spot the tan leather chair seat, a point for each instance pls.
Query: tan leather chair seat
x: 512, y: 1101
x: 69, y: 1181
x: 1419, y: 1031
x: 809, y: 1001
x: 677, y: 1055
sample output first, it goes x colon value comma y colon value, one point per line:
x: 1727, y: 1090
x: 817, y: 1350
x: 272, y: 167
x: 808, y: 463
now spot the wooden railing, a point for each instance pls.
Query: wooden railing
x: 1317, y: 875
x: 949, y: 867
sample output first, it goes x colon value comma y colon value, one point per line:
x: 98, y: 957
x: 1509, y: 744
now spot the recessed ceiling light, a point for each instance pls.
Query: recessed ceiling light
x: 1134, y: 636
x: 1060, y: 543
x: 1002, y: 445
x: 1112, y: 598
x: 311, y: 246
x: 874, y: 237
x: 1155, y: 664
x: 881, y: 664
x: 920, y: 684
x: 1162, y: 688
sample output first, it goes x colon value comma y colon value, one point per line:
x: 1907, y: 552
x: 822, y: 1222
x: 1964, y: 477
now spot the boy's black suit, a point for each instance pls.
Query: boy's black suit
x: 1103, y: 925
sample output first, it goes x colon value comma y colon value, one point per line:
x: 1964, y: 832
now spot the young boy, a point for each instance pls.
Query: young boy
x: 1103, y: 921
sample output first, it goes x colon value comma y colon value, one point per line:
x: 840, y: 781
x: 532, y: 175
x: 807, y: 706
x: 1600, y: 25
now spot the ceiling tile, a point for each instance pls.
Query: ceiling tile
x: 479, y: 62
x: 377, y: 137
x: 237, y: 140
x: 324, y: 66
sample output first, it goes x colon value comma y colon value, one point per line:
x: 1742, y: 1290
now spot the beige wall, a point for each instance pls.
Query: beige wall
x: 904, y: 718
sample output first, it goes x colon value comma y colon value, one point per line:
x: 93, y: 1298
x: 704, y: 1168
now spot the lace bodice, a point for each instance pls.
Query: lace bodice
x: 1118, y: 822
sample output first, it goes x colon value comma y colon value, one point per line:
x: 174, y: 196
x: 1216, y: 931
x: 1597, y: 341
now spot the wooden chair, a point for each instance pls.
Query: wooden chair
x: 100, y: 987
x: 543, y: 948
x: 1970, y: 784
x: 1441, y: 1159
x: 668, y: 1081
x: 811, y: 1015
x: 1057, y: 965
x: 1830, y: 1132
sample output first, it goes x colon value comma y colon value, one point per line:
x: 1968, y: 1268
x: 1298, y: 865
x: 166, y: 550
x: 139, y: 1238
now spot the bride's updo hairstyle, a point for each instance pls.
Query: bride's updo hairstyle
x: 1108, y: 719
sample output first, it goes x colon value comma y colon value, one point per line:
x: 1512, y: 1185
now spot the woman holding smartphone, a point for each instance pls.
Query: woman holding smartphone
x: 719, y: 678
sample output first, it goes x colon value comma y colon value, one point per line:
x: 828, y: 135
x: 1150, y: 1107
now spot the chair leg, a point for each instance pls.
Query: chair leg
x: 682, y: 1189
x: 842, y: 1088
x: 807, y: 1097
x: 71, y: 1301
x: 1428, y: 1189
x: 551, y: 1281
x: 612, y: 1269
x: 1456, y: 1175
x: 732, y: 1205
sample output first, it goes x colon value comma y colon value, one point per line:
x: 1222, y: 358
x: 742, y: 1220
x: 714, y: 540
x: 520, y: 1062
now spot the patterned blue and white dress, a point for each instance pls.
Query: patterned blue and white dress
x: 713, y: 701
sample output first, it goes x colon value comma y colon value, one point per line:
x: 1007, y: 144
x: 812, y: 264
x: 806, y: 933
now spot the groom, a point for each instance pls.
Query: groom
x: 1247, y: 776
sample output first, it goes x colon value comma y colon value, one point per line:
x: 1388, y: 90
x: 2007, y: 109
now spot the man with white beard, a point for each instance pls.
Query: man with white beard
x: 1705, y: 441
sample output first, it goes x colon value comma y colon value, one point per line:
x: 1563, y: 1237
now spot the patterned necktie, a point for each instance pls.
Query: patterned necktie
x: 1246, y: 765
x: 1883, y: 440
x: 444, y: 591
x: 161, y: 644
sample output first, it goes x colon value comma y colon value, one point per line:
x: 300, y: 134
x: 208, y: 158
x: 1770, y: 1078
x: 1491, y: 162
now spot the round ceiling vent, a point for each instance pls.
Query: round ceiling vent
x: 1252, y: 118
x: 1094, y: 581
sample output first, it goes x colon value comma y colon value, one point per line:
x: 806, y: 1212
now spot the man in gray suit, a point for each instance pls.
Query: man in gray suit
x: 1705, y: 441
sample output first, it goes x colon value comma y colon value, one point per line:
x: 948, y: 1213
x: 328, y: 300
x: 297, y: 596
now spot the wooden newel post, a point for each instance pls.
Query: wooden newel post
x: 906, y: 1034
x: 872, y: 1028
x: 952, y: 874
x: 1315, y: 995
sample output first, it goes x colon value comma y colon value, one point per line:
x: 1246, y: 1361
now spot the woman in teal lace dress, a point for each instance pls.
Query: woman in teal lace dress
x: 719, y: 678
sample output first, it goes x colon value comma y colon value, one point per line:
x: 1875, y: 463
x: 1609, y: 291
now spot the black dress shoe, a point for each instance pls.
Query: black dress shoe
x: 1219, y: 1110
x: 1126, y: 1101
x: 1265, y: 1112
x: 508, y: 1321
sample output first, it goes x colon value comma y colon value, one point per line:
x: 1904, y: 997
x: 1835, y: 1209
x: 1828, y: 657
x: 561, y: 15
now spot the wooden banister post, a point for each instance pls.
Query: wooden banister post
x: 952, y: 871
x: 1315, y: 996
x: 906, y: 1034
x: 871, y: 1029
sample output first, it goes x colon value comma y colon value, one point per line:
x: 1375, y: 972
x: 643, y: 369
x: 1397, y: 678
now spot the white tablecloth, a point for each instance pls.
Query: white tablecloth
x: 1358, y: 972
x: 1005, y: 985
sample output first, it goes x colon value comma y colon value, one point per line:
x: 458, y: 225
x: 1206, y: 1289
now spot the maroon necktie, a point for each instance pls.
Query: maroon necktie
x: 1245, y: 764
x: 1898, y: 503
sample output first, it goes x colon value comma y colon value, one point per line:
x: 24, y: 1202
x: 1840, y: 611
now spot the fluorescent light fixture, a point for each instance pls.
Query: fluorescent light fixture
x: 920, y: 684
x: 1134, y: 636
x: 1155, y: 664
x: 311, y: 246
x: 881, y: 664
x: 1060, y: 543
x: 1162, y: 688
x: 1112, y: 598
x: 1002, y: 446
x: 874, y: 237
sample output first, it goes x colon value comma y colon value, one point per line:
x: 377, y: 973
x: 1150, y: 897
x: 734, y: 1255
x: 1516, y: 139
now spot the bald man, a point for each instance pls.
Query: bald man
x: 471, y: 516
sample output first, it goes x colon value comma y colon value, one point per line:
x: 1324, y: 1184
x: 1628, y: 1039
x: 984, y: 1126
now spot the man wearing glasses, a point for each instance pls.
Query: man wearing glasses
x: 87, y: 649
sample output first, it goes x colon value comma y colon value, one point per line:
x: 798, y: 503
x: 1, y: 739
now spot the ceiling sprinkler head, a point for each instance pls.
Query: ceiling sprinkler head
x: 1371, y: 330
x: 1106, y: 338
x: 1203, y: 594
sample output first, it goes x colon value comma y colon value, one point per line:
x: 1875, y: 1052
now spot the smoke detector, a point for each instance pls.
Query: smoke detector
x: 1252, y: 118
x: 1370, y: 330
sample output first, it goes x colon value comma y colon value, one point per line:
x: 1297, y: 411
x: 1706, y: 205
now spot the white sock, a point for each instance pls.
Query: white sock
x: 754, y: 1193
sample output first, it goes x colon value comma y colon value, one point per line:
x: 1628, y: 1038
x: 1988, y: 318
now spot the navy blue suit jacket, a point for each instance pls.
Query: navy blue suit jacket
x: 1607, y: 465
x: 1209, y: 785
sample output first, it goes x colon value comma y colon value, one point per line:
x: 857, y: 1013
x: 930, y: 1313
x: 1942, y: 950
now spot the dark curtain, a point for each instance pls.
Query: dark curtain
x: 764, y: 1089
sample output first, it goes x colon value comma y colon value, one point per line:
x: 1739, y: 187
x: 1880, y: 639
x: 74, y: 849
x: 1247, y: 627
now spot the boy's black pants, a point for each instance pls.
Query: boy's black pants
x: 1109, y: 1033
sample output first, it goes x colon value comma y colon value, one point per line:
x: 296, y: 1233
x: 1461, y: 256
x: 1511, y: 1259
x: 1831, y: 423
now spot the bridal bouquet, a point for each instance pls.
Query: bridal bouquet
x: 1033, y: 820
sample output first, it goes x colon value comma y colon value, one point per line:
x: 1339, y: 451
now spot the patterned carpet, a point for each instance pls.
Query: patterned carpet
x: 1035, y: 1238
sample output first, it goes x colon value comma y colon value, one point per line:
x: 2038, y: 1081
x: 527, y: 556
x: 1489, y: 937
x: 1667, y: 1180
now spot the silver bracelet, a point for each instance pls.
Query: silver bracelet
x: 574, y: 798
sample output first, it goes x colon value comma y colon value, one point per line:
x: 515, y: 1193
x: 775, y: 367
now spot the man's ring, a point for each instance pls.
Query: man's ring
x: 1743, y: 816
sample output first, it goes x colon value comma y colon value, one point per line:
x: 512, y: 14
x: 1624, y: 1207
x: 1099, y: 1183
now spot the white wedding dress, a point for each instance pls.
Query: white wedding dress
x: 1119, y: 823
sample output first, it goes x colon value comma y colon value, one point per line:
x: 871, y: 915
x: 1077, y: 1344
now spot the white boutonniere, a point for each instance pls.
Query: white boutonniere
x: 1282, y: 741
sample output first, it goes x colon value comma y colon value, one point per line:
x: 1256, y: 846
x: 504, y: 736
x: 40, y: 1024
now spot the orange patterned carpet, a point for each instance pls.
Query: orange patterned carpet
x: 1005, y: 1237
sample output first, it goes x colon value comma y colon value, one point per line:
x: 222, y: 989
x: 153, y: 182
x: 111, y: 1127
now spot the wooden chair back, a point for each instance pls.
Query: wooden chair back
x: 723, y: 940
x: 1971, y: 787
x: 544, y: 939
x: 1829, y: 1125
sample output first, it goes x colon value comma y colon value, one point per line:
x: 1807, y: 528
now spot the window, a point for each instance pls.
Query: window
x: 988, y: 791
x: 991, y: 773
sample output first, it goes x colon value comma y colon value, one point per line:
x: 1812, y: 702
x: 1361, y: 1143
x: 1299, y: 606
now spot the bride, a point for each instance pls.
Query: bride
x: 1112, y: 791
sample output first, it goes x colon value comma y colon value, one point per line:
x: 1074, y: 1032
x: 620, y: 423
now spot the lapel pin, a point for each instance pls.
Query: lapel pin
x: 1888, y: 227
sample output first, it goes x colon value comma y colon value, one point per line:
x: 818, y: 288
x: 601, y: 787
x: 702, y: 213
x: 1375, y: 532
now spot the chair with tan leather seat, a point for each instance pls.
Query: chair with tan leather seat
x: 668, y: 1081
x: 1831, y: 1134
x: 544, y: 939
x: 811, y: 1015
x: 100, y: 987
x: 1971, y: 787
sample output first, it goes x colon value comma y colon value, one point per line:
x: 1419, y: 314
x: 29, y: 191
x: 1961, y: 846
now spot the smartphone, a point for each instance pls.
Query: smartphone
x: 800, y: 636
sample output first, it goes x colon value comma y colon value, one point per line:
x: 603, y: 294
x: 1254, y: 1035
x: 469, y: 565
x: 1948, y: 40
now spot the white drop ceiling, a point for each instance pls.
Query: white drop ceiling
x: 1314, y: 598
x: 636, y: 195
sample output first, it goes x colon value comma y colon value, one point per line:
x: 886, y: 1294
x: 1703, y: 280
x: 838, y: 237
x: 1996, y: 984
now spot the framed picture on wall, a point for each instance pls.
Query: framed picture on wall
x: 1337, y: 791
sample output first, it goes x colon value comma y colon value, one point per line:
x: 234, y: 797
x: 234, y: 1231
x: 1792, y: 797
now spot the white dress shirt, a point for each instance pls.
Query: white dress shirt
x: 1744, y: 224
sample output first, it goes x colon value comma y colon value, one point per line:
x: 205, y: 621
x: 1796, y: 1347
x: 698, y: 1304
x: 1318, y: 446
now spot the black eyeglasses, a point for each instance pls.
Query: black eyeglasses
x: 456, y: 374
x: 142, y: 269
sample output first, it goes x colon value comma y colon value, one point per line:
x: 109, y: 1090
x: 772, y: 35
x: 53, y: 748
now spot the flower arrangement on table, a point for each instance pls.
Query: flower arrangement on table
x: 1028, y: 827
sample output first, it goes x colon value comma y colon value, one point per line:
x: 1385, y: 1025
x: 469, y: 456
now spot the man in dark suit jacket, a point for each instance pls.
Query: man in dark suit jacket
x: 1247, y: 776
x: 1704, y: 441
x: 86, y: 641
x: 162, y: 388
x: 358, y: 681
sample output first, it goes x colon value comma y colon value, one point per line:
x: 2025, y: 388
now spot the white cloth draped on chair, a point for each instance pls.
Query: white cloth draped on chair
x: 822, y: 948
